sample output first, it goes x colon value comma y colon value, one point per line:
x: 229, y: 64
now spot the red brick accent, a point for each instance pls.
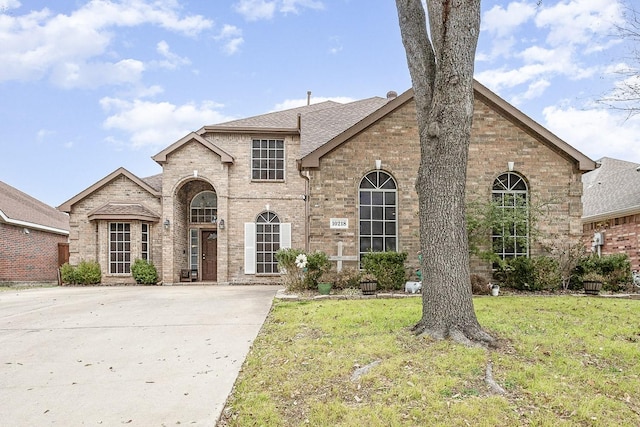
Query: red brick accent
x: 28, y: 257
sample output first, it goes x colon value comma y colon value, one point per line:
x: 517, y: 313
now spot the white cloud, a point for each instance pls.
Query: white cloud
x: 231, y: 37
x: 572, y: 31
x: 158, y: 124
x: 577, y: 21
x: 171, y: 60
x: 43, y: 134
x: 596, y: 132
x: 88, y: 75
x: 40, y: 43
x: 8, y: 5
x: 291, y: 6
x: 255, y: 10
x: 301, y: 102
x: 501, y: 22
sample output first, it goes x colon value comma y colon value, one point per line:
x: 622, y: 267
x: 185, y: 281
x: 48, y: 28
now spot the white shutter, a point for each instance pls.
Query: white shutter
x: 285, y: 235
x: 249, y: 248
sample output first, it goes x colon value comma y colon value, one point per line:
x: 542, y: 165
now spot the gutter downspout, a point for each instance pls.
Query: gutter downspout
x: 304, y: 174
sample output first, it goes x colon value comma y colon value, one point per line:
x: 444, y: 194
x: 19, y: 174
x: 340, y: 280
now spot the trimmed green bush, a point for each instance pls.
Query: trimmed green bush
x: 68, y: 274
x: 144, y: 272
x: 387, y: 267
x: 616, y: 269
x: 86, y: 273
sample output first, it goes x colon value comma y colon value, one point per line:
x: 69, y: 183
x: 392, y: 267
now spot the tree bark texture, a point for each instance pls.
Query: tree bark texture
x: 441, y: 71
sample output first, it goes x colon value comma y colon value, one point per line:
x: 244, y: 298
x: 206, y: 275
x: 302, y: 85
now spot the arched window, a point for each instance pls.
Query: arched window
x: 267, y: 242
x: 204, y: 207
x: 378, y: 213
x: 510, y: 196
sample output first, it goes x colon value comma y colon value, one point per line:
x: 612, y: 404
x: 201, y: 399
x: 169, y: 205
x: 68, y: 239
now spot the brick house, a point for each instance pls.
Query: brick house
x: 33, y: 238
x: 332, y: 177
x: 611, y: 215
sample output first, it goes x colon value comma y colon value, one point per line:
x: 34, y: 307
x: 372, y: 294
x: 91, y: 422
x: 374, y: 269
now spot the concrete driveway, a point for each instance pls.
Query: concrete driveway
x: 144, y: 356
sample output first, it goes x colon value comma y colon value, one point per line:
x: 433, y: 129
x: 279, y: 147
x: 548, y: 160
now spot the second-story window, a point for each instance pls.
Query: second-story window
x: 267, y: 159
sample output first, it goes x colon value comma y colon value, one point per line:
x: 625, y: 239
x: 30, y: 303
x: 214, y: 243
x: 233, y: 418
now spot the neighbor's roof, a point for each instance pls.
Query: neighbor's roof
x: 611, y: 191
x: 20, y: 209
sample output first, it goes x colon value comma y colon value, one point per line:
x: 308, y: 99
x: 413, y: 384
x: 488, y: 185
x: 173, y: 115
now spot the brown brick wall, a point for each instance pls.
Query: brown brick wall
x: 29, y: 257
x: 552, y: 178
x: 89, y: 240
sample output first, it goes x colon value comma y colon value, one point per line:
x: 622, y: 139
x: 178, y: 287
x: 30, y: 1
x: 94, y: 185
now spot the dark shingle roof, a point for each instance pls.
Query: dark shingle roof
x: 124, y: 210
x: 612, y: 188
x: 278, y: 119
x: 18, y: 207
x: 319, y: 127
x: 154, y: 181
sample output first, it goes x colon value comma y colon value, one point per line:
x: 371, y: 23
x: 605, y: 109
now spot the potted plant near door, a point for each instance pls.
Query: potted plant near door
x: 592, y: 282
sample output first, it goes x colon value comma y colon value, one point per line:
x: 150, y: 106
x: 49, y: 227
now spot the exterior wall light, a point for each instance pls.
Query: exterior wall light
x: 221, y: 224
x: 167, y: 223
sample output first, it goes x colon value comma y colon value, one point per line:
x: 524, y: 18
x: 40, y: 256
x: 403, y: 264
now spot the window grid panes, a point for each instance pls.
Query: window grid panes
x: 119, y: 248
x: 204, y: 207
x: 144, y: 252
x: 267, y: 243
x: 267, y: 159
x: 510, y: 196
x: 193, y: 248
x: 378, y: 213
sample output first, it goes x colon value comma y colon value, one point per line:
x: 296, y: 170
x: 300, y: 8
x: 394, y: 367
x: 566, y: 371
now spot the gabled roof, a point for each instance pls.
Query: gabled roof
x: 124, y: 211
x: 66, y: 206
x: 312, y: 158
x: 161, y: 157
x: 285, y: 121
x: 20, y: 209
x: 611, y: 191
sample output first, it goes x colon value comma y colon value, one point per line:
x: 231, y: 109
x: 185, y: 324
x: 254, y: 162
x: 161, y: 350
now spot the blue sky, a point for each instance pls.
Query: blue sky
x: 89, y: 86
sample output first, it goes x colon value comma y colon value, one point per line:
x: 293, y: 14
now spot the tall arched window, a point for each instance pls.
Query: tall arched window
x: 378, y: 213
x: 510, y: 196
x: 204, y: 207
x: 267, y: 242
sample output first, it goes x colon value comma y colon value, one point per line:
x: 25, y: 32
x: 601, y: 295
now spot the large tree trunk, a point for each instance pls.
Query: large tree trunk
x: 442, y: 76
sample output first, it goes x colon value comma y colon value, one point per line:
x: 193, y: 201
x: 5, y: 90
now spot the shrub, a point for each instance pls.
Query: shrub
x: 89, y: 273
x: 348, y: 278
x: 317, y: 265
x: 615, y: 268
x: 387, y: 267
x: 68, y: 274
x: 144, y: 272
x: 86, y: 273
x: 546, y: 273
x: 298, y: 278
x: 479, y: 285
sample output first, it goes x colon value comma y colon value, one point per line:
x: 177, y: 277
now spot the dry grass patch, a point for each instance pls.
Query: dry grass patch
x: 562, y: 361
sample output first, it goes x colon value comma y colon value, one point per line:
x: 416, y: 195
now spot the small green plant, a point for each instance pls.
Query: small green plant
x: 144, y: 272
x: 86, y: 273
x: 68, y: 274
x: 387, y: 267
x: 302, y: 271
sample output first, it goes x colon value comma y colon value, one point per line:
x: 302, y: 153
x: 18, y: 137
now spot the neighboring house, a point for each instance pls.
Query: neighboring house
x: 33, y: 238
x: 333, y: 177
x: 611, y: 213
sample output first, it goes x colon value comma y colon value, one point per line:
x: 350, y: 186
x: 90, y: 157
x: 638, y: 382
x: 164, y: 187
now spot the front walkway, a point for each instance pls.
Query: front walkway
x: 138, y: 356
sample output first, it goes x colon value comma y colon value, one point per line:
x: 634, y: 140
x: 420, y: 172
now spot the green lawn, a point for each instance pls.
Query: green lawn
x: 564, y: 360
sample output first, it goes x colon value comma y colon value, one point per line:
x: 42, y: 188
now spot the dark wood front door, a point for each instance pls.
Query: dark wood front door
x: 209, y: 256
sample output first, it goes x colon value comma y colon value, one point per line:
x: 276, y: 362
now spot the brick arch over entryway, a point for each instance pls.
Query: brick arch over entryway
x: 182, y: 238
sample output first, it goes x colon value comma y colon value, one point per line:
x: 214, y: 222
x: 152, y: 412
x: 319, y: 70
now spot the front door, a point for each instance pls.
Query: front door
x: 209, y: 256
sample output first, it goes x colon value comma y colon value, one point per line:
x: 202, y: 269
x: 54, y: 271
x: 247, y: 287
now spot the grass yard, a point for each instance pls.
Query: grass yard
x: 563, y: 361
